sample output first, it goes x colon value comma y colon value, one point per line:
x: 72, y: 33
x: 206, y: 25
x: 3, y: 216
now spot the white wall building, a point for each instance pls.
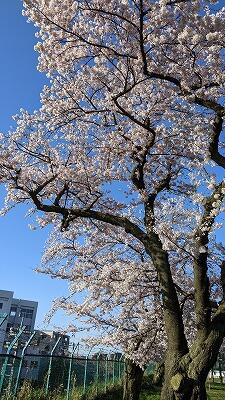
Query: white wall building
x: 19, y: 312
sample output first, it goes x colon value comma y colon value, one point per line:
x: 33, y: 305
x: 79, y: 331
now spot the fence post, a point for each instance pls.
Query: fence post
x: 3, y: 371
x: 50, y: 365
x: 85, y: 374
x: 114, y: 359
x: 85, y: 371
x: 106, y: 372
x: 97, y: 372
x: 70, y: 369
x: 21, y: 362
x: 120, y: 359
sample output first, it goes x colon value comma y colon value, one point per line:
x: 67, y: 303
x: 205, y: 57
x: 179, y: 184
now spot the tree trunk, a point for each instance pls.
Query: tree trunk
x: 185, y: 378
x: 184, y: 388
x: 183, y: 385
x: 186, y: 374
x: 158, y: 375
x: 132, y: 381
x: 220, y: 371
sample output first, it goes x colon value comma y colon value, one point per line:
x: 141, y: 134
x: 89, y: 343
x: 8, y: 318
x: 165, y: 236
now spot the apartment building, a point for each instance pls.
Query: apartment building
x: 19, y: 312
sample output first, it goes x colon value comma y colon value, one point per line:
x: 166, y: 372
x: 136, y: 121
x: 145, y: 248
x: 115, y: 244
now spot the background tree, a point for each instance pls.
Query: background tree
x: 128, y: 135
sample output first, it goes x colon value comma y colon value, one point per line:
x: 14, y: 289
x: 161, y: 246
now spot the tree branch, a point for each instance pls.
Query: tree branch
x: 214, y: 145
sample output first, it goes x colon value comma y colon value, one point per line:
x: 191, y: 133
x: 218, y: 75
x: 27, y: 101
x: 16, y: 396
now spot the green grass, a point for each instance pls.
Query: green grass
x: 149, y: 391
x: 216, y: 391
x: 27, y: 392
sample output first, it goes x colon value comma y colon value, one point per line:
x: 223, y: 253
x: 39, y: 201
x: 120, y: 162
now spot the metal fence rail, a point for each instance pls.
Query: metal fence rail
x: 49, y: 364
x: 63, y: 373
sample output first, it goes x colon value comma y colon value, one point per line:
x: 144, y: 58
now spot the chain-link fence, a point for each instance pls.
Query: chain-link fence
x: 48, y: 363
x: 64, y: 373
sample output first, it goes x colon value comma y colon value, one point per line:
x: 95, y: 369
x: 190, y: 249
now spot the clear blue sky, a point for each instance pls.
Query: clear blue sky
x: 21, y: 83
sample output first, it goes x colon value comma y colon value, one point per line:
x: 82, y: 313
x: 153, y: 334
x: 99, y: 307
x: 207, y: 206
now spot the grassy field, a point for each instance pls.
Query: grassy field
x: 215, y: 391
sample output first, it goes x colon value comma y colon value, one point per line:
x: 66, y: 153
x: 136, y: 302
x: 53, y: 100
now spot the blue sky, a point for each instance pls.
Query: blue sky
x: 21, y: 83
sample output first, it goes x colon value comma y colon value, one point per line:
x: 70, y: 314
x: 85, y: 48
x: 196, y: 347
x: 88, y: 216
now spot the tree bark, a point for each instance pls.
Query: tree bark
x: 184, y: 388
x: 185, y: 376
x: 220, y: 371
x: 184, y: 384
x: 132, y: 381
x: 158, y: 376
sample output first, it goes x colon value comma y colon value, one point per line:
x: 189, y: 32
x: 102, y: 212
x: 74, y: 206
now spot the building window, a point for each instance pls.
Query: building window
x: 1, y: 305
x: 13, y: 311
x: 26, y: 313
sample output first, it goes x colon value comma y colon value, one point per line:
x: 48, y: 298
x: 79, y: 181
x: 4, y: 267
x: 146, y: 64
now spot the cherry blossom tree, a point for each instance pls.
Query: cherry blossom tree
x: 128, y: 140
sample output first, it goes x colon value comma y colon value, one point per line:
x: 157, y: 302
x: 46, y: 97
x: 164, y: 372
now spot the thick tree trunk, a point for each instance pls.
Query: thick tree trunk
x: 220, y: 371
x: 185, y: 376
x: 188, y: 390
x: 182, y: 380
x: 132, y: 381
x: 184, y: 388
